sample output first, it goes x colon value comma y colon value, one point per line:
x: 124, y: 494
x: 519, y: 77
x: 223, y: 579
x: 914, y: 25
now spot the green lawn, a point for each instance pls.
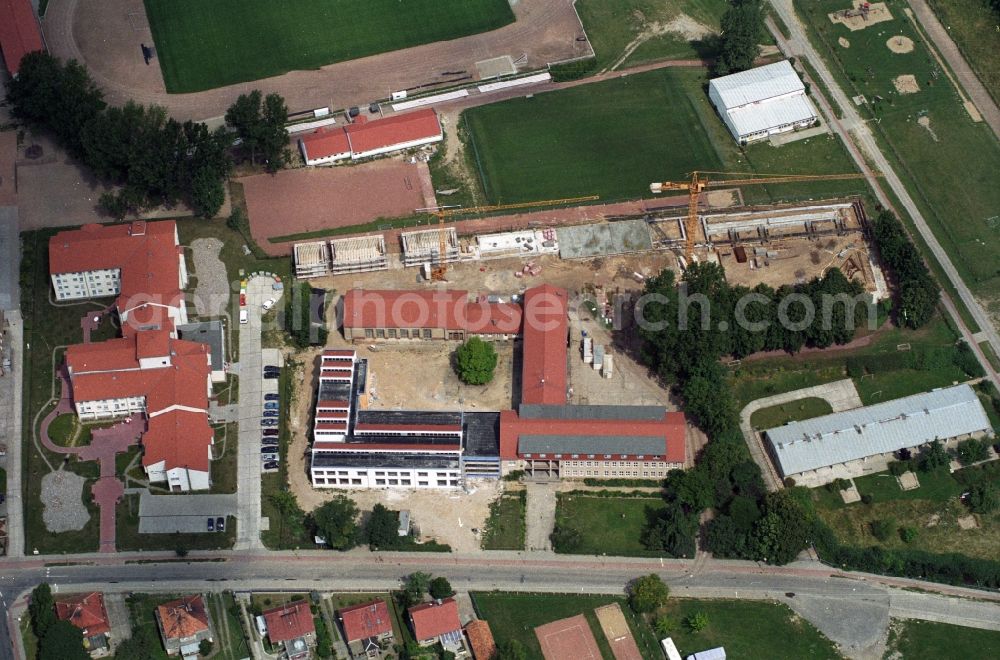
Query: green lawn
x: 794, y: 411
x: 933, y: 510
x: 608, y: 525
x: 926, y: 640
x: 950, y: 166
x: 973, y: 27
x: 224, y: 458
x: 743, y: 627
x: 202, y: 45
x: 615, y: 137
x: 505, y: 526
x: 29, y: 638
x: 614, y: 24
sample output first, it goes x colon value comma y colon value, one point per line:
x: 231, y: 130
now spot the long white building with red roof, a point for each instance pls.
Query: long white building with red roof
x: 365, y: 139
x: 141, y: 263
x: 168, y: 381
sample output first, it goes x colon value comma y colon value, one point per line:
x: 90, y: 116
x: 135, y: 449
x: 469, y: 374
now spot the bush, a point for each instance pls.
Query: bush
x: 984, y: 497
x: 972, y: 451
x: 573, y: 70
x: 866, y: 498
x: 896, y: 468
x: 513, y: 475
x: 934, y: 457
x: 696, y: 622
x: 883, y: 528
x: 648, y: 594
x: 908, y: 534
x: 565, y: 538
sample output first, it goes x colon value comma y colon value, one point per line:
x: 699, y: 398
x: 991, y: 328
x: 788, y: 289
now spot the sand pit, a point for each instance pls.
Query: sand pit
x: 900, y: 44
x: 906, y: 84
x: 844, y: 43
x: 925, y: 121
x: 857, y: 18
x: 968, y: 522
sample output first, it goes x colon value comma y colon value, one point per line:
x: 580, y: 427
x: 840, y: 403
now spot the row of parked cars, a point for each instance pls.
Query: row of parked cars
x: 269, y: 450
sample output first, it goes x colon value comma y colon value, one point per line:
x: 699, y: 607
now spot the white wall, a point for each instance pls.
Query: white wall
x: 352, y: 477
x: 397, y: 147
x: 89, y: 284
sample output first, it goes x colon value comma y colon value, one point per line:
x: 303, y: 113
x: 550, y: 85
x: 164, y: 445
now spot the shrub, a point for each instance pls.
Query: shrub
x: 648, y: 594
x: 573, y: 70
x: 696, y: 622
x: 908, y: 534
x: 972, y: 451
x: 867, y: 499
x: 984, y: 497
x: 934, y: 457
x: 897, y: 468
x: 789, y: 482
x: 883, y: 528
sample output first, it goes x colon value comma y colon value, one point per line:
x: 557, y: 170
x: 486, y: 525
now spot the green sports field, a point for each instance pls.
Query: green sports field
x: 613, y: 138
x: 202, y: 45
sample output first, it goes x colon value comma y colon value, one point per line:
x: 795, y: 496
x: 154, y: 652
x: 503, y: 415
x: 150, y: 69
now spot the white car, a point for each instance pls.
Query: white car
x: 244, y: 318
x: 268, y: 304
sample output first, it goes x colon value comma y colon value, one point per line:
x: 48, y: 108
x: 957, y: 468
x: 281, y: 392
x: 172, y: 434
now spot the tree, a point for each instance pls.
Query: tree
x: 511, y: 649
x: 382, y: 529
x: 42, y: 609
x: 934, y: 457
x: 781, y: 532
x: 416, y: 586
x: 742, y: 28
x: 672, y: 532
x: 984, y: 497
x: 205, y: 647
x: 696, y: 621
x: 336, y: 521
x: 648, y: 594
x: 290, y: 515
x: 62, y: 641
x: 440, y: 588
x: 565, y: 538
x: 972, y: 451
x: 475, y: 361
x: 260, y: 124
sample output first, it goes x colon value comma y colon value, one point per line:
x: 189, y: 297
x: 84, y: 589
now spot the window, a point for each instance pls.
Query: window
x: 404, y: 334
x: 576, y: 456
x: 319, y: 481
x: 369, y: 333
x: 607, y: 456
x: 380, y: 482
x: 356, y: 482
x: 421, y: 483
x: 442, y: 482
x: 392, y: 333
x: 421, y: 474
x: 405, y: 482
x: 380, y: 334
x: 394, y: 482
x: 427, y: 333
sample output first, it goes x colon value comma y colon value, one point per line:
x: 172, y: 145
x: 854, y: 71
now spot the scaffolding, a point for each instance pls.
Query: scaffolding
x: 420, y: 247
x: 312, y: 260
x: 360, y: 254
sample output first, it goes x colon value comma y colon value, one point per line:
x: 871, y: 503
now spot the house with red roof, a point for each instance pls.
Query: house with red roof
x: 291, y: 625
x: 481, y: 640
x: 437, y: 621
x: 183, y: 624
x: 366, y: 139
x: 367, y: 628
x: 20, y: 33
x: 166, y: 380
x: 87, y: 612
x: 140, y: 263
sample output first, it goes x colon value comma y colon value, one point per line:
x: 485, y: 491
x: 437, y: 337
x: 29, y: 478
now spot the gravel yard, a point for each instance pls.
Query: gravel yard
x: 62, y: 497
x: 211, y: 295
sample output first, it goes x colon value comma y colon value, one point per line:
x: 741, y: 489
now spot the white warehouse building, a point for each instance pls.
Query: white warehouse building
x: 761, y: 102
x: 862, y: 441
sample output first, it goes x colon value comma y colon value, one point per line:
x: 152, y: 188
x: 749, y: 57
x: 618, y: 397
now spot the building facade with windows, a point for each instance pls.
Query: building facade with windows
x: 140, y: 263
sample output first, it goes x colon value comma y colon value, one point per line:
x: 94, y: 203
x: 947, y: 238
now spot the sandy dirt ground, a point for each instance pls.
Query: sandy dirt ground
x: 900, y: 45
x: 800, y: 260
x: 878, y: 12
x: 906, y: 84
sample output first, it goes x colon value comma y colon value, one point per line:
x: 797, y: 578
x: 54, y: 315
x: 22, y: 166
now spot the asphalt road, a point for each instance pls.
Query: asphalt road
x: 851, y: 608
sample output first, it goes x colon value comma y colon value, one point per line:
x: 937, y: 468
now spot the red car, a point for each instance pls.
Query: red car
x: 243, y: 300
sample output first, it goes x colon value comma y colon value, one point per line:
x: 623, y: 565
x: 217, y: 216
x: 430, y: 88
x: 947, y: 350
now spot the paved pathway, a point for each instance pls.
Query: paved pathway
x: 540, y: 515
x: 966, y: 76
x: 841, y: 395
x: 104, y: 445
x: 863, y: 148
x: 11, y: 432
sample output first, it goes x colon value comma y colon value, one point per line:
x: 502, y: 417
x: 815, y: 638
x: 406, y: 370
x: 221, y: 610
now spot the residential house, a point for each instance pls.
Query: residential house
x: 87, y: 612
x: 183, y: 624
x: 292, y: 626
x: 367, y: 628
x: 437, y: 621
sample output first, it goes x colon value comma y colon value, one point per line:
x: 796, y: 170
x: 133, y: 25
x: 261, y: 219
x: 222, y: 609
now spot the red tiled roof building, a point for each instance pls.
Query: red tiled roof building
x: 431, y: 621
x: 20, y: 33
x: 86, y: 612
x: 183, y: 622
x: 366, y: 626
x: 364, y: 139
x: 288, y: 622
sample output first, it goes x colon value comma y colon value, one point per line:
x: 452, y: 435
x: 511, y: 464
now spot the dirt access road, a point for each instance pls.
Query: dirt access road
x: 106, y: 35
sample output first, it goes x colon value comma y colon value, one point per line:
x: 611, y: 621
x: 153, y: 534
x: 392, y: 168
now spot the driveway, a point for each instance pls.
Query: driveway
x: 841, y: 395
x: 251, y: 407
x: 540, y: 515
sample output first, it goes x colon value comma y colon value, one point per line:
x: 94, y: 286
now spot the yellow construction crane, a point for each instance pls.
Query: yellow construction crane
x: 441, y: 212
x: 699, y: 181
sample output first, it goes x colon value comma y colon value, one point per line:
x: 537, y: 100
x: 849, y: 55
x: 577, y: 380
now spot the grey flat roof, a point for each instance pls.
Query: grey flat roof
x: 593, y: 444
x: 206, y: 332
x: 482, y: 435
x: 878, y: 429
x: 625, y: 413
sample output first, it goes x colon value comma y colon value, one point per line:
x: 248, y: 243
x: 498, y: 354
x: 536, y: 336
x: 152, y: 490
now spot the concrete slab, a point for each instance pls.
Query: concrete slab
x: 610, y: 238
x: 166, y: 514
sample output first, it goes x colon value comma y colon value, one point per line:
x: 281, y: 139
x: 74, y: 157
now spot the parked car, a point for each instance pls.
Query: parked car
x: 269, y: 458
x: 267, y: 450
x: 211, y: 524
x: 220, y: 524
x: 272, y: 375
x: 271, y: 367
x: 269, y: 422
x: 271, y: 465
x: 271, y: 413
x: 272, y: 396
x: 268, y: 432
x: 244, y: 318
x: 268, y: 304
x: 271, y: 405
x: 243, y: 300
